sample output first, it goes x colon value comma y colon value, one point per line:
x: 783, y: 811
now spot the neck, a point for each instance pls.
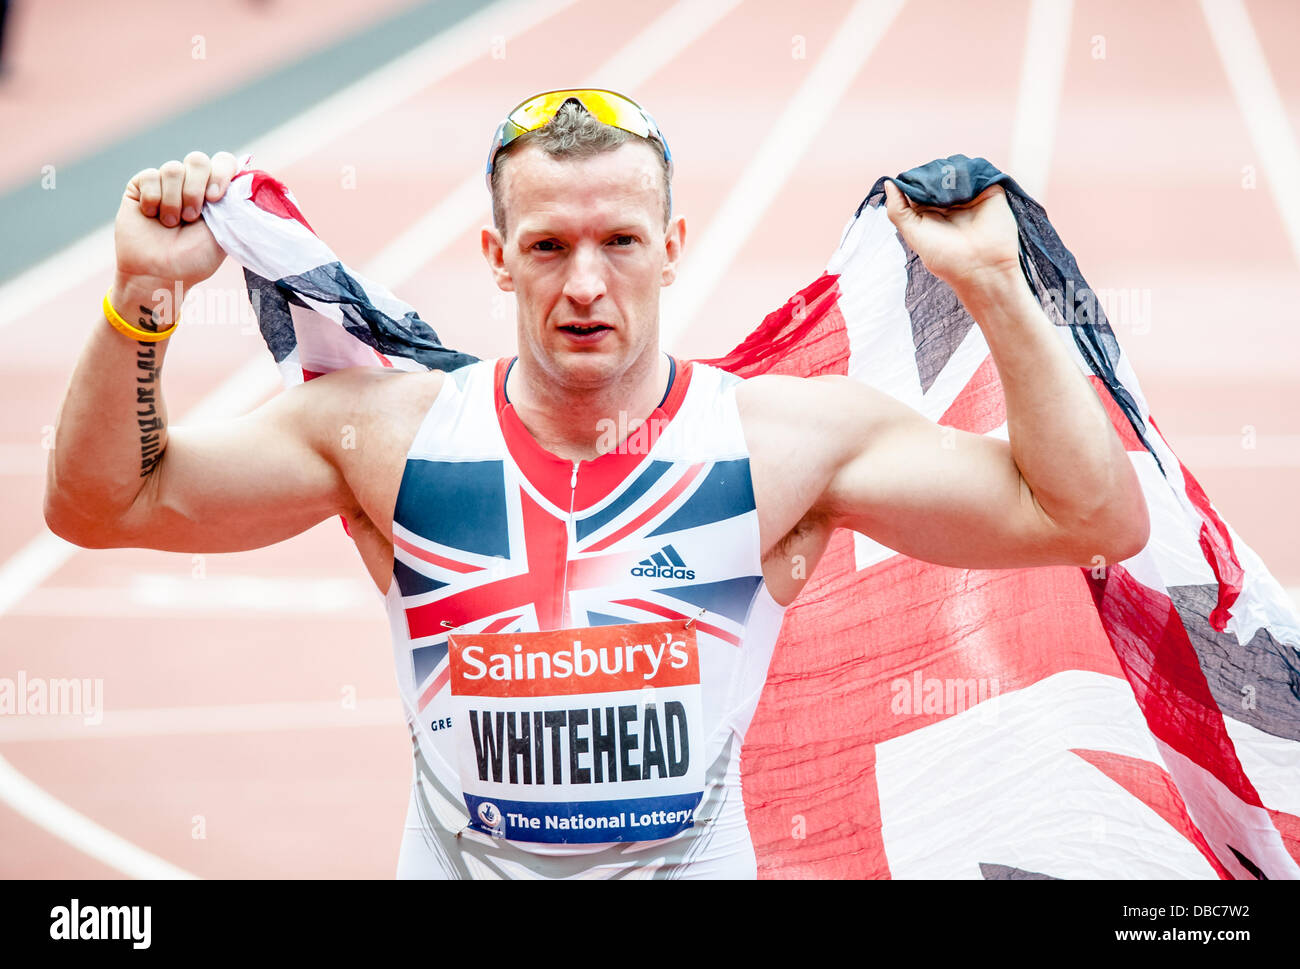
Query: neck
x: 582, y: 423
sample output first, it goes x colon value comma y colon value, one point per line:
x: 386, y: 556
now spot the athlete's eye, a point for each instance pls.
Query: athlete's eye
x: 624, y: 241
x: 546, y: 242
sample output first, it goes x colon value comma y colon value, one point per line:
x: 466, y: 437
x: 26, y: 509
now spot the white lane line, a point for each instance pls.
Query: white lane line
x: 1257, y: 95
x: 468, y: 204
x: 1042, y: 75
x: 394, y: 82
x: 162, y: 596
x: 24, y: 294
x: 422, y: 67
x: 229, y: 718
x: 787, y: 140
x: 46, y: 553
x: 30, y: 566
x: 79, y: 831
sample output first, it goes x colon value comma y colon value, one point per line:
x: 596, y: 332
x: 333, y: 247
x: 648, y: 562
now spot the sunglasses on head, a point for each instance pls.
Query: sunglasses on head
x: 608, y: 107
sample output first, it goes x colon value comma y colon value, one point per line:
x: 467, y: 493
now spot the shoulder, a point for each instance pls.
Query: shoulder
x: 334, y: 408
x: 363, y: 389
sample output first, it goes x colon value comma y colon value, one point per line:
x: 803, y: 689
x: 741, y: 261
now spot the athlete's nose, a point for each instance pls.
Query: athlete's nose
x: 586, y: 281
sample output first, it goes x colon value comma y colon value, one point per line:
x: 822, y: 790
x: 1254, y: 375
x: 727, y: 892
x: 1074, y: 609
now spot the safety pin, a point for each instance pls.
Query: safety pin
x: 499, y: 835
x: 696, y: 616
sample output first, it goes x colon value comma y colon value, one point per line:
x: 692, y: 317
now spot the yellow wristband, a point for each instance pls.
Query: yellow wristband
x: 134, y: 332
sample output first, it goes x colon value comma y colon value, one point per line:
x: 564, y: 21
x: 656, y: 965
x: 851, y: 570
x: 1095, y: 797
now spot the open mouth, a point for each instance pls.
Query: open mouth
x: 585, y: 329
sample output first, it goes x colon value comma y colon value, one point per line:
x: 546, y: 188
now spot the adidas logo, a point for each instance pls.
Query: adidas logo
x: 664, y: 564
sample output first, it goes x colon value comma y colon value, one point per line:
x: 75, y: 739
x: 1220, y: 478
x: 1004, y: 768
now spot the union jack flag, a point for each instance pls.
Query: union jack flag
x: 1139, y: 719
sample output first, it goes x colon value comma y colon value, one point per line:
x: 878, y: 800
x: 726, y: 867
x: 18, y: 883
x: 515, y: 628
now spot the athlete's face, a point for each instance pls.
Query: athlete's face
x: 586, y: 254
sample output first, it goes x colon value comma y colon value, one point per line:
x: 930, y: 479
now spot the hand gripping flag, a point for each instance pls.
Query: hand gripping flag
x: 1130, y: 720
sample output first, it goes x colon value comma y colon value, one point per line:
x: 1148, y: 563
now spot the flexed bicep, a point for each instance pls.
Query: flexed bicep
x: 238, y: 485
x: 231, y: 485
x: 935, y: 493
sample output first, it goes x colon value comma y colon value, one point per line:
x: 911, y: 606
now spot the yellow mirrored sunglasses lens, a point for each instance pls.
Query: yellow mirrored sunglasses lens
x: 606, y: 107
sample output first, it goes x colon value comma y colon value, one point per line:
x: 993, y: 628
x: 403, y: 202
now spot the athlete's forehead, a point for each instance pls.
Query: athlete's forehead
x: 614, y: 189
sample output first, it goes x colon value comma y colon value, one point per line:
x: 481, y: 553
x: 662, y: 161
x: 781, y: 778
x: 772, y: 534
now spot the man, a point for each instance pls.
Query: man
x: 493, y: 506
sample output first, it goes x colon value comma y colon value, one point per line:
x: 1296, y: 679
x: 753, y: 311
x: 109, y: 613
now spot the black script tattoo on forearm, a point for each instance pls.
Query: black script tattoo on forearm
x: 151, y: 424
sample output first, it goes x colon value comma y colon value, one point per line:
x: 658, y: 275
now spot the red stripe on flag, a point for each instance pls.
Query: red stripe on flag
x: 805, y: 337
x: 1151, y: 784
x: 664, y: 501
x: 1117, y: 419
x: 450, y: 565
x: 496, y: 625
x: 667, y: 613
x: 812, y: 732
x: 981, y: 406
x: 1216, y: 546
x: 545, y: 546
x: 850, y: 651
x: 1162, y: 667
x: 270, y: 195
x: 438, y: 683
x: 1288, y: 826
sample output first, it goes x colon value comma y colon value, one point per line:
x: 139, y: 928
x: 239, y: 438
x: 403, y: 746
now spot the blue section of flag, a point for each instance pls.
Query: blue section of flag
x: 411, y: 582
x: 601, y: 619
x: 730, y: 597
x: 653, y: 472
x: 408, y: 336
x: 460, y: 504
x: 726, y: 492
x: 425, y: 660
x: 585, y: 822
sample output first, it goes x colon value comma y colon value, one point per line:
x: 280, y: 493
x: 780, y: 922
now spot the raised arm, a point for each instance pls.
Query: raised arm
x: 118, y: 475
x: 960, y: 499
x: 1061, y: 491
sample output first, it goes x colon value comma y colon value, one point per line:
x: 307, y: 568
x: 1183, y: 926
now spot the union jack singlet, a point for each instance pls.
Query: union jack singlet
x: 608, y: 752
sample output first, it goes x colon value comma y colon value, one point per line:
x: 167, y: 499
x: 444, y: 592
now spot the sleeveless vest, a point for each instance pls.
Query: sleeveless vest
x: 494, y: 534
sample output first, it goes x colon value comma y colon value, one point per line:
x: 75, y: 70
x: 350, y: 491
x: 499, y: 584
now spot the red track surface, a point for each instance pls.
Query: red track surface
x: 1145, y: 185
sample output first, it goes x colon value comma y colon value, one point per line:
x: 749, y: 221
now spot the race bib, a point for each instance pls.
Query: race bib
x: 579, y: 735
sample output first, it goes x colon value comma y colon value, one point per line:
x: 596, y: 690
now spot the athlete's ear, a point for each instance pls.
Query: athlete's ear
x: 674, y: 243
x: 494, y: 252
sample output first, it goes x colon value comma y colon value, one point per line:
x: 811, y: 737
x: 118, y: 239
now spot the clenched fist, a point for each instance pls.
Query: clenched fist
x: 159, y: 234
x: 962, y: 245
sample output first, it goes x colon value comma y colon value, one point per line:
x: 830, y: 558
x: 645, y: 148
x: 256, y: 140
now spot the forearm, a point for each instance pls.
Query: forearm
x: 111, y: 430
x: 1061, y: 437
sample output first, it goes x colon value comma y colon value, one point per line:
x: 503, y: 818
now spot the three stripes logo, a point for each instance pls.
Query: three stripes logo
x: 664, y: 564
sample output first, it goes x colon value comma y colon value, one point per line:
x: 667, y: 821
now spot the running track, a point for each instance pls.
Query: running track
x: 250, y: 697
